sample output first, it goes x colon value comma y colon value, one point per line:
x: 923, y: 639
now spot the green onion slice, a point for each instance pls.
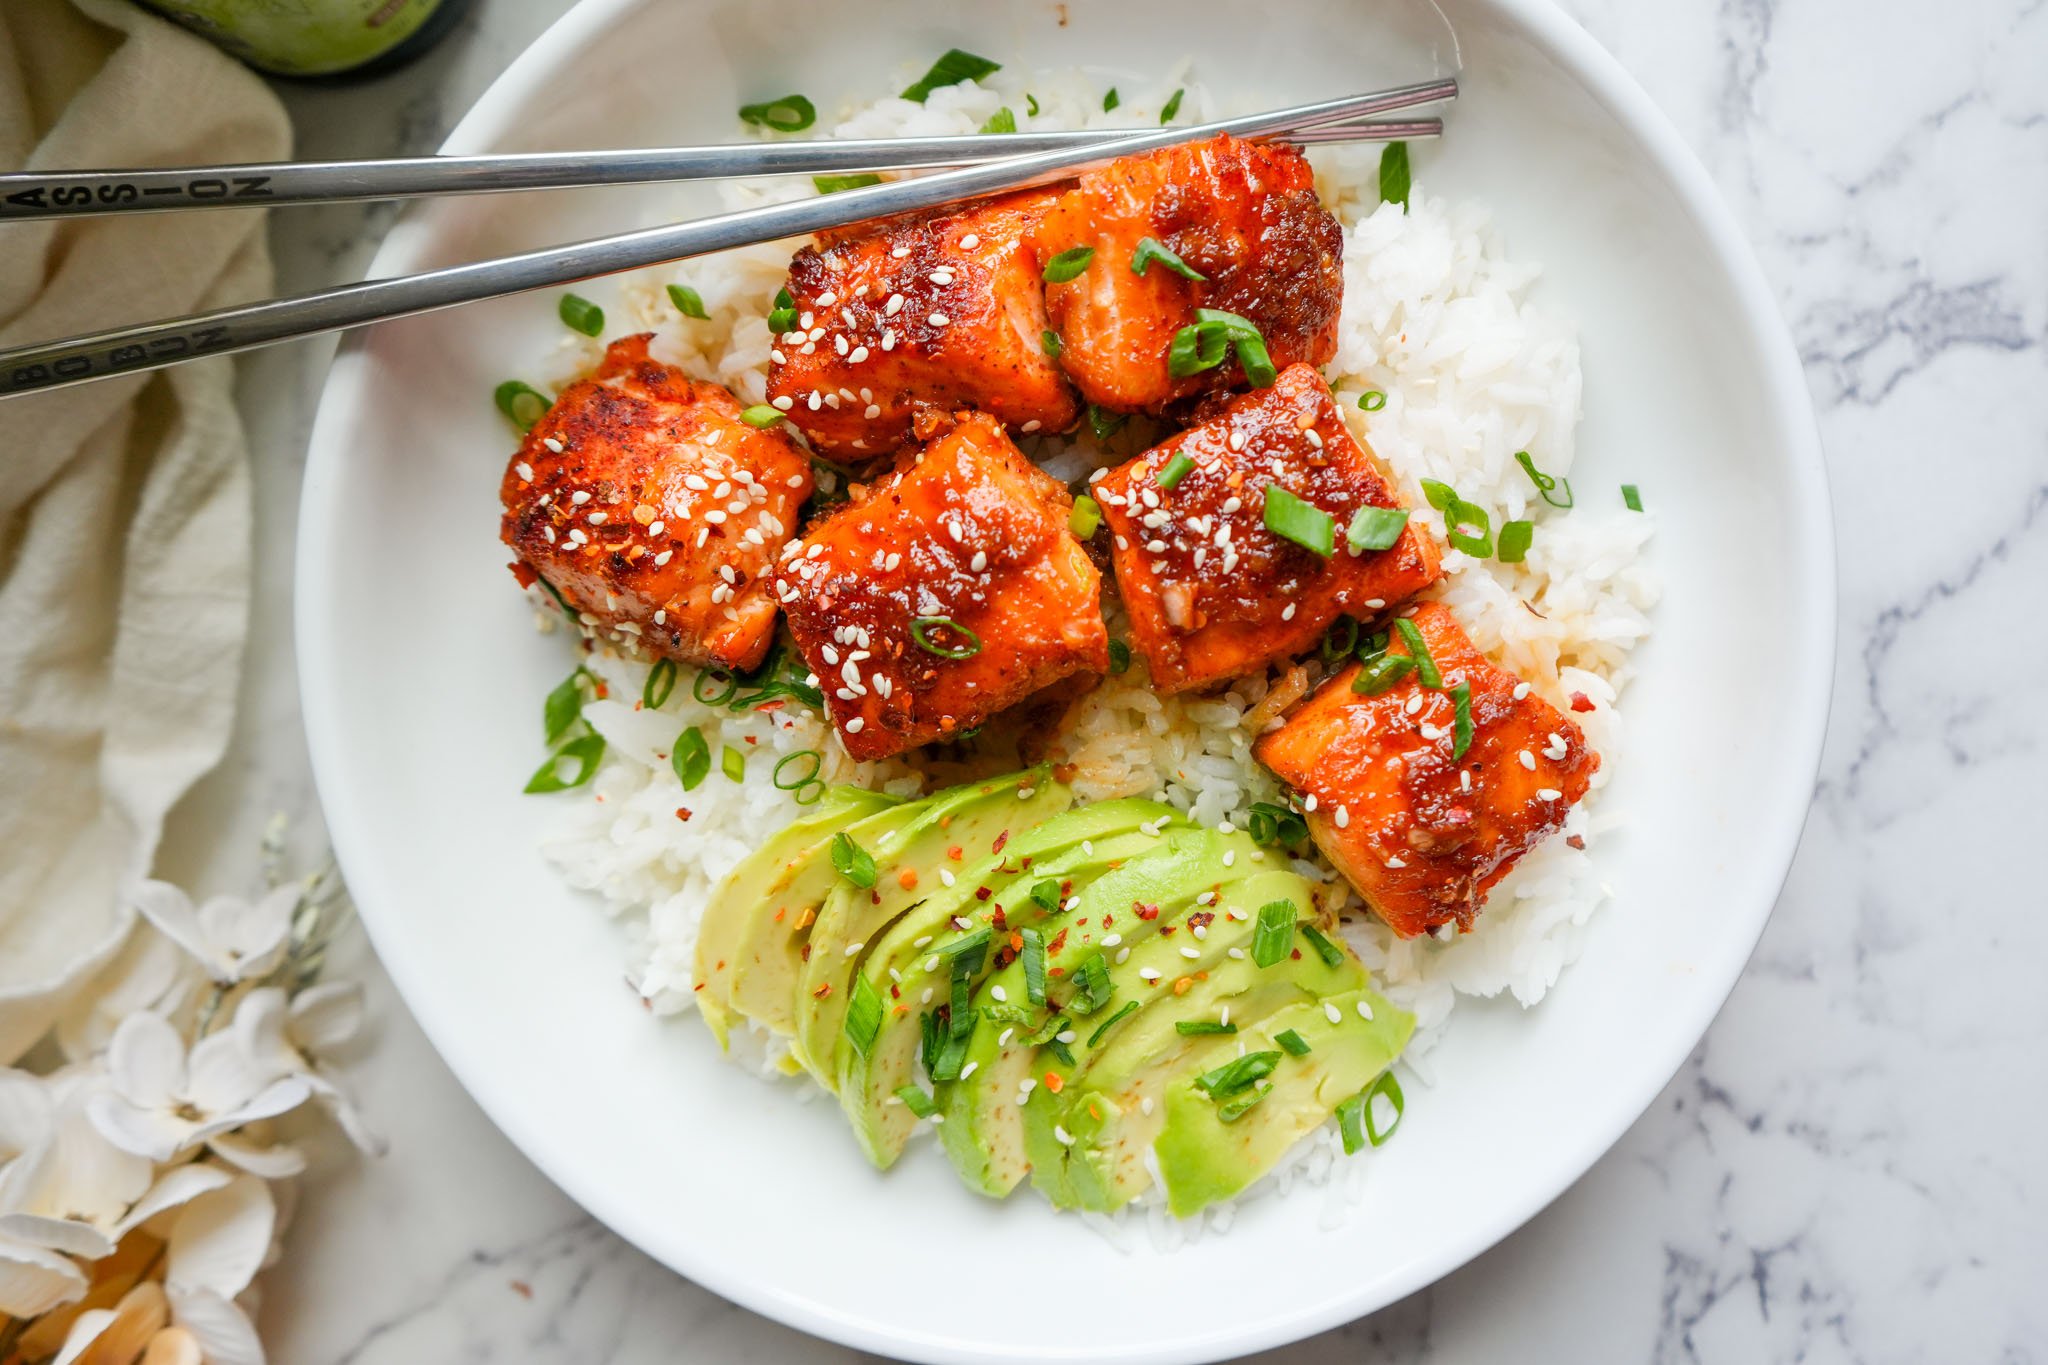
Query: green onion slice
x: 563, y: 706
x: 1372, y: 400
x: 920, y: 632
x: 585, y: 753
x: 1418, y: 650
x: 863, y: 1015
x: 1086, y: 516
x: 1092, y: 986
x: 833, y: 184
x: 1171, y: 107
x: 688, y: 301
x: 1068, y: 264
x: 1461, y: 725
x: 1330, y: 953
x: 717, y: 676
x: 1196, y: 1028
x: 1176, y: 469
x: 691, y: 759
x: 790, y: 114
x: 1276, y: 825
x: 1341, y: 640
x: 1375, y: 528
x: 1203, y: 344
x: 803, y: 776
x: 1391, y: 1088
x: 661, y: 680
x: 1273, y: 935
x: 1105, y: 423
x: 1049, y: 341
x: 579, y: 314
x: 1231, y: 1110
x: 521, y: 402
x: 1046, y: 895
x: 1632, y: 497
x: 1304, y: 523
x: 1104, y: 1026
x: 733, y: 763
x: 1031, y: 104
x: 1119, y: 656
x: 1111, y: 100
x: 1395, y: 178
x: 1002, y: 120
x: 1545, y: 484
x: 1351, y: 1123
x: 1515, y: 538
x: 1441, y: 495
x: 1151, y: 249
x: 1380, y: 673
x: 782, y: 317
x: 761, y: 415
x: 851, y: 861
x: 951, y: 69
x: 1296, y: 1045
x: 952, y: 1046
x: 1033, y: 954
x: 916, y: 1100
x: 1468, y: 527
x: 1240, y: 1073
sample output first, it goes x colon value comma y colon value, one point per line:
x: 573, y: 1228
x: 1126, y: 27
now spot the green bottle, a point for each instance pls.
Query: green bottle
x: 317, y: 37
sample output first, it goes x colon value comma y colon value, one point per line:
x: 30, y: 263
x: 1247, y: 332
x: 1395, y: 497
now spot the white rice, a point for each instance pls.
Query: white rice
x: 1438, y: 319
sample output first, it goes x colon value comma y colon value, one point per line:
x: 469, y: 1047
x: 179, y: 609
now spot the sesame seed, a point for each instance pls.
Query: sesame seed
x: 888, y: 339
x: 523, y: 470
x: 1309, y: 802
x: 1521, y: 691
x: 860, y: 353
x: 1149, y: 973
x: 552, y: 444
x: 893, y: 306
x: 1465, y: 779
x: 1334, y: 1015
x: 1145, y: 1104
x: 781, y: 404
x: 1123, y: 955
x: 1396, y: 864
x: 966, y: 1071
x: 938, y: 319
x: 969, y: 242
x: 941, y: 276
x: 1430, y: 731
x: 854, y: 726
x: 841, y: 344
x: 1364, y: 1009
x: 1111, y: 940
x: 900, y: 252
x: 853, y: 948
x: 576, y: 537
x: 1031, y: 426
x: 1343, y: 816
x: 579, y: 498
x: 663, y: 558
x: 1314, y: 437
x: 1287, y: 612
x: 998, y: 993
x: 1549, y: 794
x: 1066, y: 1138
x: 1189, y: 953
x: 1237, y: 953
x: 1527, y: 759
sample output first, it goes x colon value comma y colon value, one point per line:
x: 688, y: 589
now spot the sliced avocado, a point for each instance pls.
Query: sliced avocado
x: 1203, y: 1158
x: 922, y: 951
x: 762, y: 879
x: 769, y: 957
x: 984, y: 1128
x: 972, y: 819
x: 1088, y: 1141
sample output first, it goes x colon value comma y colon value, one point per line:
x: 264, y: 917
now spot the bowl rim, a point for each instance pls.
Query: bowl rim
x: 1807, y: 699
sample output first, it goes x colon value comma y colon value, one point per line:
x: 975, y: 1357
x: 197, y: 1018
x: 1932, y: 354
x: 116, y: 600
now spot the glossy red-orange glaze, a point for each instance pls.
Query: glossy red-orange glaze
x: 966, y: 529
x: 943, y: 308
x: 1421, y: 834
x: 1212, y: 594
x: 1243, y: 214
x: 655, y: 511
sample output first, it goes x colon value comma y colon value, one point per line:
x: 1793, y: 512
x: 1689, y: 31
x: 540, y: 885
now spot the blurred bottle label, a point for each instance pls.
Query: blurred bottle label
x: 304, y: 37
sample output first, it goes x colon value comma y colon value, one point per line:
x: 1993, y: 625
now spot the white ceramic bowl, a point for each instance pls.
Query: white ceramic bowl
x: 423, y: 677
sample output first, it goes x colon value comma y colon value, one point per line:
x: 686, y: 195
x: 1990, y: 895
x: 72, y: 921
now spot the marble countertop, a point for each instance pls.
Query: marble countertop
x: 1845, y: 1169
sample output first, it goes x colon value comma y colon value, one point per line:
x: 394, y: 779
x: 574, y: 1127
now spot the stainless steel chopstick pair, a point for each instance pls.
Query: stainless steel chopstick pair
x: 1020, y: 160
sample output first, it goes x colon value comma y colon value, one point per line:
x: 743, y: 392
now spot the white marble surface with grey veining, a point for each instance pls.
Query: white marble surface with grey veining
x: 1854, y: 1164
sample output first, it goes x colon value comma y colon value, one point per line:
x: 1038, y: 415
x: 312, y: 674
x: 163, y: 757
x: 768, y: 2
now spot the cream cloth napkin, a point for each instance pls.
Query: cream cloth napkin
x: 124, y: 505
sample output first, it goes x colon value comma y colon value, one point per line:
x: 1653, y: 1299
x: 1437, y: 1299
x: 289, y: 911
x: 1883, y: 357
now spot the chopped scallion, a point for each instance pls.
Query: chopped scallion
x: 579, y: 314
x: 851, y: 861
x: 921, y: 629
x: 1632, y: 496
x: 1545, y: 484
x: 1105, y: 423
x: 1296, y: 1045
x: 1395, y: 177
x: 1304, y: 523
x: 563, y: 706
x: 761, y: 415
x: 863, y: 1015
x: 521, y: 402
x: 688, y: 301
x: 1380, y: 673
x: 1119, y: 656
x: 1171, y: 107
x: 782, y: 317
x: 724, y: 685
x: 1418, y: 650
x: 1515, y: 538
x: 691, y: 759
x: 1033, y: 955
x: 833, y: 184
x: 661, y: 680
x: 1468, y: 527
x: 1276, y: 826
x: 733, y: 763
x: 1049, y: 342
x: 1196, y: 1028
x: 585, y: 752
x: 1092, y: 986
x: 1375, y: 528
x: 1068, y: 264
x: 1372, y: 400
x: 1111, y: 100
x: 1240, y: 1073
x: 1151, y: 249
x: 1231, y: 1110
x: 1441, y: 495
x: 1176, y: 469
x: 916, y: 1100
x: 1330, y: 953
x: 1086, y: 516
x: 1104, y: 1026
x: 1273, y: 934
x: 1461, y: 723
x: 1001, y: 121
x: 790, y: 114
x: 1391, y: 1088
x: 951, y: 69
x: 793, y: 772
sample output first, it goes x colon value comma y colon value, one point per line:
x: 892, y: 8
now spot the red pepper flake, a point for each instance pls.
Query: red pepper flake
x: 1054, y: 1083
x: 955, y: 853
x: 1145, y: 910
x: 1059, y: 941
x: 1574, y: 841
x: 895, y: 991
x: 997, y: 922
x: 601, y: 689
x: 1167, y: 930
x: 982, y: 893
x: 750, y: 739
x: 522, y: 1289
x: 1001, y: 839
x: 824, y: 987
x: 807, y: 957
x: 1016, y: 943
x: 683, y: 812
x: 775, y: 705
x: 907, y: 879
x: 1201, y: 919
x: 1581, y: 702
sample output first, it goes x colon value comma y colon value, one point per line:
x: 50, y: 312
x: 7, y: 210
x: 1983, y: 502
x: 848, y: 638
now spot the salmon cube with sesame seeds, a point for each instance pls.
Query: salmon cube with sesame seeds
x: 656, y: 512
x: 1242, y: 232
x: 946, y: 591
x: 943, y: 308
x: 1213, y: 590
x: 1425, y: 796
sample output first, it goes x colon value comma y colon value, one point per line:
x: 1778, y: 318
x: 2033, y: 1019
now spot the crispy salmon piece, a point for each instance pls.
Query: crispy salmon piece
x: 646, y: 502
x: 1243, y: 214
x: 944, y: 308
x: 1212, y: 594
x: 965, y: 529
x: 1422, y: 834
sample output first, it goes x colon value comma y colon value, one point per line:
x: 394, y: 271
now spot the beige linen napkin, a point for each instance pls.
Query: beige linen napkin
x: 124, y: 505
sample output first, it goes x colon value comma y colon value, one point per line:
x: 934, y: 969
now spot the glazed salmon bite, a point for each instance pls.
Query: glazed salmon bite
x: 1212, y: 592
x: 646, y: 502
x: 943, y: 593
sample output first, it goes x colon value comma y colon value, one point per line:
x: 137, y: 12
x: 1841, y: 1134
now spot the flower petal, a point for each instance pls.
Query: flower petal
x: 88, y: 1177
x: 139, y: 1315
x: 225, y: 1072
x: 279, y: 1161
x: 337, y: 1102
x: 218, y: 1240
x: 65, y: 1235
x: 178, y: 1185
x: 263, y: 1024
x: 149, y: 973
x: 249, y: 936
x: 223, y: 1330
x: 25, y: 1112
x: 146, y: 1060
x: 33, y: 1281
x: 170, y: 910
x: 285, y: 1093
x: 154, y: 1133
x: 86, y: 1328
x: 327, y: 1015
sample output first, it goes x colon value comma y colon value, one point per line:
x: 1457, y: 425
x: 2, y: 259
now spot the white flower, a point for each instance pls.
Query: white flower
x: 287, y: 1038
x: 214, y: 1248
x: 232, y: 939
x: 164, y: 1102
x: 149, y: 973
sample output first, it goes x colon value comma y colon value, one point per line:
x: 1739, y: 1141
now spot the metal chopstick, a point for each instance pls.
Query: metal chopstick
x: 153, y: 345
x: 32, y: 195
